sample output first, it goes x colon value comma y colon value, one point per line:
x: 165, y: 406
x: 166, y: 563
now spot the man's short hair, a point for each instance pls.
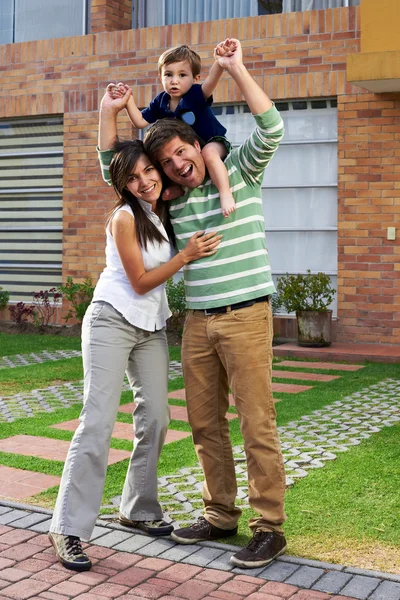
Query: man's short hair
x: 179, y: 54
x: 163, y: 131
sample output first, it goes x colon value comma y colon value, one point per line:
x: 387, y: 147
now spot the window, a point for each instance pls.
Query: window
x: 26, y: 20
x: 31, y: 165
x: 150, y: 13
x: 300, y: 185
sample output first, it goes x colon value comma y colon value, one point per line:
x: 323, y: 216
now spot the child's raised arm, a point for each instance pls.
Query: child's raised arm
x: 134, y: 114
x: 225, y: 48
x: 211, y: 80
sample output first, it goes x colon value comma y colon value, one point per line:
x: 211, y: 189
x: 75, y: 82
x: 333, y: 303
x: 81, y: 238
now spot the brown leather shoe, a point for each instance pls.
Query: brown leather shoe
x: 201, y: 531
x: 262, y: 549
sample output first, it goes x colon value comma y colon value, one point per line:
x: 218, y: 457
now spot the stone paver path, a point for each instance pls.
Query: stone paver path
x: 34, y: 358
x: 179, y: 413
x: 55, y: 397
x: 17, y: 484
x: 131, y: 566
x: 319, y: 365
x: 304, y: 376
x: 124, y: 431
x: 47, y: 448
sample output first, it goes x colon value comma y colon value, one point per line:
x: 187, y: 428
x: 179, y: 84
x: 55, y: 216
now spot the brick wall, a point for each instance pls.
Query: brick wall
x: 110, y: 15
x: 292, y: 56
x: 369, y: 203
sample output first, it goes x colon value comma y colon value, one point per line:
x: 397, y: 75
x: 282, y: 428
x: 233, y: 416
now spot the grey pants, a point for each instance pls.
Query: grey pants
x: 111, y: 346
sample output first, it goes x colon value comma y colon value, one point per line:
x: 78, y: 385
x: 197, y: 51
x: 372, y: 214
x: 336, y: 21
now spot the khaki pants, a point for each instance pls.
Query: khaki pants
x: 234, y: 350
x: 111, y: 346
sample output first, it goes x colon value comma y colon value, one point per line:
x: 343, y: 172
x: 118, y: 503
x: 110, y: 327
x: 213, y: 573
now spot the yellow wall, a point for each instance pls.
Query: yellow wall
x: 380, y: 25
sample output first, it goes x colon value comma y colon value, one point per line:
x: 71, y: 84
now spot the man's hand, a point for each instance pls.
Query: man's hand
x: 229, y: 53
x: 116, y: 97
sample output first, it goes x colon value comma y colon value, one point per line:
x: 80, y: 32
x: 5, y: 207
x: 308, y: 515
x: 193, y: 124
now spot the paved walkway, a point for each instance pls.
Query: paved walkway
x: 133, y: 566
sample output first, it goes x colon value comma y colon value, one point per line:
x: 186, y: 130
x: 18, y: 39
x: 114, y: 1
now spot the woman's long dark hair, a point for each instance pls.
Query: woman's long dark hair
x: 124, y: 160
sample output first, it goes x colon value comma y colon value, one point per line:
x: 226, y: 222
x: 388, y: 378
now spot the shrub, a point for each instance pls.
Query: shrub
x: 4, y: 298
x: 79, y: 295
x: 305, y: 292
x: 20, y: 312
x: 276, y: 303
x: 176, y: 297
x: 45, y: 304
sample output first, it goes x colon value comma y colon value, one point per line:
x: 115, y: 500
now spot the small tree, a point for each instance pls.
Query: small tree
x: 79, y: 295
x: 305, y: 292
x: 176, y: 297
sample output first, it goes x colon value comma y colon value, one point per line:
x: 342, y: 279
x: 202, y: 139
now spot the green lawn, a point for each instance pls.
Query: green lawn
x: 24, y: 344
x: 345, y: 512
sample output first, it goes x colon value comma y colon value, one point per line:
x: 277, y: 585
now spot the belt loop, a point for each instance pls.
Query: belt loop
x: 228, y: 309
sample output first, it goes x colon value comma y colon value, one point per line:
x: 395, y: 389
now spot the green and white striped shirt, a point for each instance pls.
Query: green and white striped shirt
x: 240, y: 268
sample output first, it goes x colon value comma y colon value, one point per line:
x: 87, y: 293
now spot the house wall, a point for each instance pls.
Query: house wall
x: 292, y: 56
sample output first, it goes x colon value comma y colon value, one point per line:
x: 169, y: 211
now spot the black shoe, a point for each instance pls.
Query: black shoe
x: 69, y: 552
x: 201, y: 531
x: 260, y: 551
x: 150, y: 527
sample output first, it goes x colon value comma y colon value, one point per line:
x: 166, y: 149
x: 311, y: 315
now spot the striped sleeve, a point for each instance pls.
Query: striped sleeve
x: 257, y: 151
x: 105, y: 158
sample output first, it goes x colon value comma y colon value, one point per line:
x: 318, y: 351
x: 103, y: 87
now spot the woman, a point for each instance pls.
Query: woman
x: 124, y: 331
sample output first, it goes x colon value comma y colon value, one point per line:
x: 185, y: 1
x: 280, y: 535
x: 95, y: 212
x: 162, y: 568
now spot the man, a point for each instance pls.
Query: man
x: 227, y: 339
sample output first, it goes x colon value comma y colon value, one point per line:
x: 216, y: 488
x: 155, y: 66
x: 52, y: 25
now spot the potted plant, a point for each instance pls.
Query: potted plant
x: 309, y: 295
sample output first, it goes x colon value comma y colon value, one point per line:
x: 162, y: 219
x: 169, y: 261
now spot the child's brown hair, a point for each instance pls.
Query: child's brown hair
x: 179, y: 54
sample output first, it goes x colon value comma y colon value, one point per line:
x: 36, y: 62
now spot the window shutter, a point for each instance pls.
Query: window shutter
x: 31, y: 168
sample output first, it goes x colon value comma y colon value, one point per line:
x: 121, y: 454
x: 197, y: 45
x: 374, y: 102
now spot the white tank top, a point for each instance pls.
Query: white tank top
x: 148, y: 311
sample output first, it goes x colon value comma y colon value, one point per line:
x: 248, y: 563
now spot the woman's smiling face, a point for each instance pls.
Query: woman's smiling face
x: 145, y: 181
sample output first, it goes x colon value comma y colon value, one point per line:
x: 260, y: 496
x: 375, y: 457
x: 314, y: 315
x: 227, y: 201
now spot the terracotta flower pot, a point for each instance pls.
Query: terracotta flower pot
x: 314, y: 328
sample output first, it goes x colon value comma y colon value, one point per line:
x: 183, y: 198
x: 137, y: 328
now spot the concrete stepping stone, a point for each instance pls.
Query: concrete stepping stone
x: 305, y: 376
x: 290, y: 388
x: 124, y: 431
x: 178, y: 413
x: 17, y: 484
x: 49, y: 449
x: 319, y: 365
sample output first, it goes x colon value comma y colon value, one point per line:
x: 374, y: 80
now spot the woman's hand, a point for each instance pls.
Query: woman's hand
x: 200, y: 245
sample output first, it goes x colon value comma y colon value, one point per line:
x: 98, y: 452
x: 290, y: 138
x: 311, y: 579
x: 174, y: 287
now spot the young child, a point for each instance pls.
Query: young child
x: 184, y: 98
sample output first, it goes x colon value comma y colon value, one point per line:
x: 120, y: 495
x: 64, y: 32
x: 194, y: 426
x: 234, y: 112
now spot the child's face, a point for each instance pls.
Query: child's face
x: 177, y: 78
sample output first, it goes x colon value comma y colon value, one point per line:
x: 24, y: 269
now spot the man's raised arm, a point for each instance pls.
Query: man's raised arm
x: 229, y: 56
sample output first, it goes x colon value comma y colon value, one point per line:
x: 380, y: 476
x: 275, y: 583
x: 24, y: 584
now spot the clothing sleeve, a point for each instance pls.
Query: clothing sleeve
x: 105, y: 158
x: 151, y: 113
x: 256, y: 152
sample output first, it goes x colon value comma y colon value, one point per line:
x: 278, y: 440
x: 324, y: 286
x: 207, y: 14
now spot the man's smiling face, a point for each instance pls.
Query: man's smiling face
x: 182, y: 162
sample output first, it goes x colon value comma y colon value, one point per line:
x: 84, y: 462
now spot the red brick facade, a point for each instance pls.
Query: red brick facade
x: 292, y: 56
x: 110, y: 15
